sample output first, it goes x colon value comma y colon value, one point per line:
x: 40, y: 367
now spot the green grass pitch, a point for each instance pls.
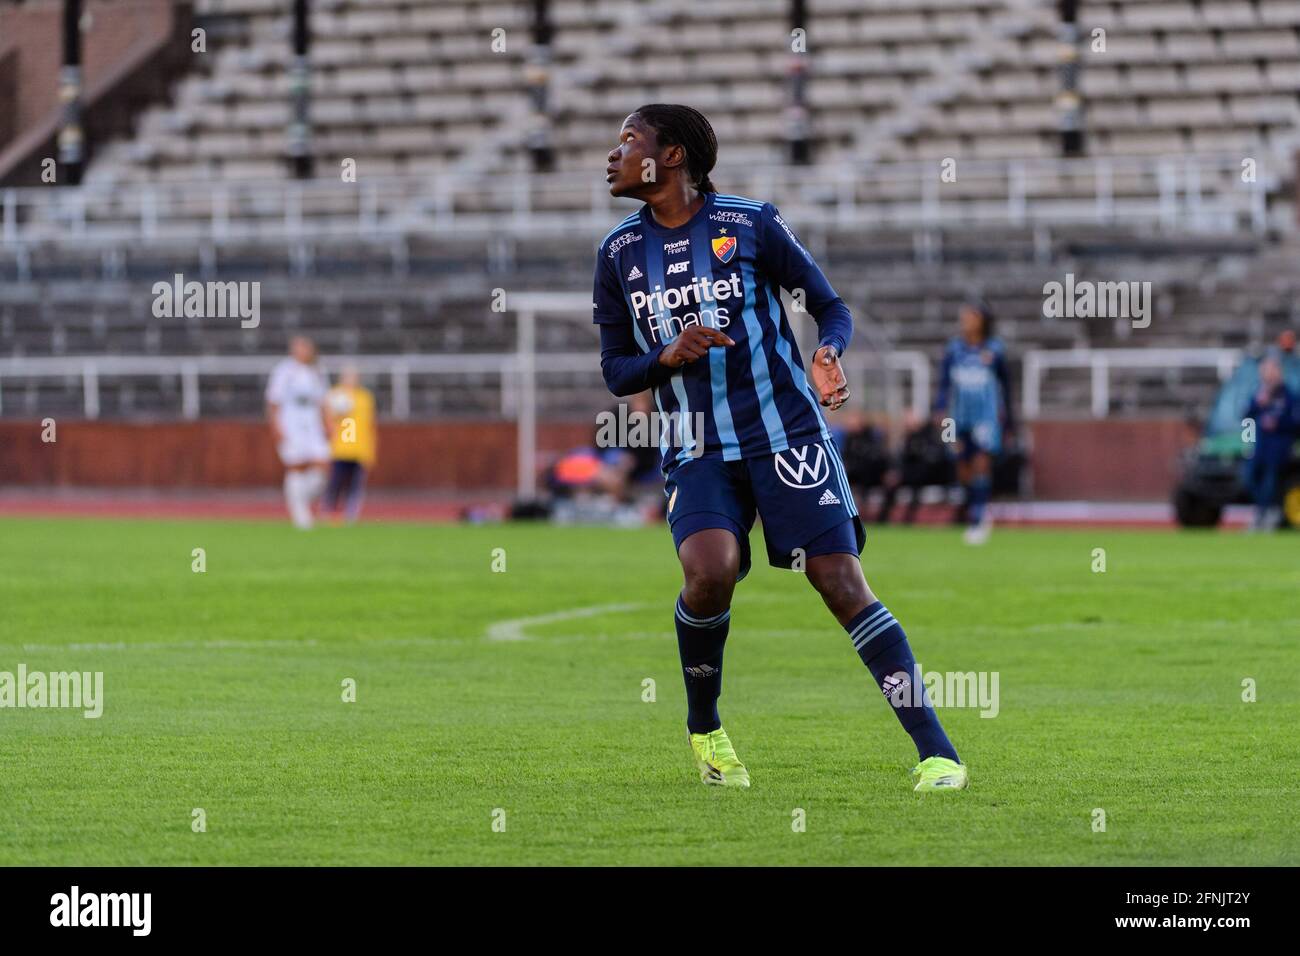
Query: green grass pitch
x: 1120, y: 691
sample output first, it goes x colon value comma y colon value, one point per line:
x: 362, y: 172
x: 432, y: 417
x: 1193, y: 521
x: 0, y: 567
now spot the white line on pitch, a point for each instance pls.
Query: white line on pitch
x: 166, y: 645
x: 514, y: 628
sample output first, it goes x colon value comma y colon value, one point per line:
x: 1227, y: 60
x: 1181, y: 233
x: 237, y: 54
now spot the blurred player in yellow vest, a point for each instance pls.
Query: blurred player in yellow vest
x: 350, y: 414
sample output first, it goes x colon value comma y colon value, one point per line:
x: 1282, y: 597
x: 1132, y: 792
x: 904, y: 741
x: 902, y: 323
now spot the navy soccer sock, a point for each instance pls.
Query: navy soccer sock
x: 980, y: 491
x: 880, y: 642
x: 699, y: 641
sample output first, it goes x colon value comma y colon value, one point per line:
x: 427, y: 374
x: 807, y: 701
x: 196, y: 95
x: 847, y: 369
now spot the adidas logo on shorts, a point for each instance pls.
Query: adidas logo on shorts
x: 828, y: 498
x: 636, y: 273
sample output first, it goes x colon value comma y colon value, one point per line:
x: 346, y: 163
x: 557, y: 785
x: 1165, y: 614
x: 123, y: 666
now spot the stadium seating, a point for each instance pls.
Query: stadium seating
x: 415, y: 91
x: 408, y: 88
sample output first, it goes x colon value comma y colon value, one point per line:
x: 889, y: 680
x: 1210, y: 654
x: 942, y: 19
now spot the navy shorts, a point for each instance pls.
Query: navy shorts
x: 801, y: 494
x: 984, y: 435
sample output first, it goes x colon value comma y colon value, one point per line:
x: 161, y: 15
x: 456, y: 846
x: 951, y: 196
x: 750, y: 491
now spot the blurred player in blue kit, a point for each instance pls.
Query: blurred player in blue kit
x: 975, y: 393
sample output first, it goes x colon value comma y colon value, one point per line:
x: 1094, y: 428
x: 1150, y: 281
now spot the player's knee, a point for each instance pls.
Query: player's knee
x: 707, y: 591
x: 841, y: 585
x: 710, y: 564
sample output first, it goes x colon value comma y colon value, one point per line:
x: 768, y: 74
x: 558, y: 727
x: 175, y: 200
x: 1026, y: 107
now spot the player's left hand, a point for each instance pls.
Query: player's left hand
x: 828, y: 378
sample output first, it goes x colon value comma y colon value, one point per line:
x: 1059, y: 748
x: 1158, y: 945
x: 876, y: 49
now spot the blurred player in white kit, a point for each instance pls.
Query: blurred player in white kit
x: 295, y: 397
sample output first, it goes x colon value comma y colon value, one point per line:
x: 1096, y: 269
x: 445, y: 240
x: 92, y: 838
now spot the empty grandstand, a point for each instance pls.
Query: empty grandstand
x: 454, y: 157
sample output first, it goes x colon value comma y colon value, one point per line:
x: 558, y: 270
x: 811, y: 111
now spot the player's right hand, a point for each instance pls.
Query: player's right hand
x: 691, y: 345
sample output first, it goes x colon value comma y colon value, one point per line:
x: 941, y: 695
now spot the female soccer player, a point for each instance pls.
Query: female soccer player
x: 975, y: 391
x: 687, y: 300
x: 294, y: 397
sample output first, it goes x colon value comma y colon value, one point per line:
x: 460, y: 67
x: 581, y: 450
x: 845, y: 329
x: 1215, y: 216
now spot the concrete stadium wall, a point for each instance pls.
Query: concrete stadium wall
x: 240, y: 454
x: 1108, y: 460
x: 1120, y: 460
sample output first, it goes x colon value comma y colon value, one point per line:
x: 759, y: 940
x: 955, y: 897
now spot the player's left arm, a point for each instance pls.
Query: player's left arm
x: 1004, y: 387
x: 1253, y: 407
x: 785, y: 259
x: 326, y: 416
x: 939, y: 408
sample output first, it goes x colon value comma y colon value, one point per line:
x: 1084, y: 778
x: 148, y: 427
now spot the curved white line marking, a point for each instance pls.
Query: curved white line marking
x: 514, y: 629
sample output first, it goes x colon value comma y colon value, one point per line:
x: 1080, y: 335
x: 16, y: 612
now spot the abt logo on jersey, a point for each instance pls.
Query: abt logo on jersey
x: 676, y: 267
x: 806, y: 467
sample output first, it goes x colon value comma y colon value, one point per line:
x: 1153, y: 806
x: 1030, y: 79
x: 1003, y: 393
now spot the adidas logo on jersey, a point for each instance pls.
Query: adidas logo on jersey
x: 636, y: 273
x: 828, y: 498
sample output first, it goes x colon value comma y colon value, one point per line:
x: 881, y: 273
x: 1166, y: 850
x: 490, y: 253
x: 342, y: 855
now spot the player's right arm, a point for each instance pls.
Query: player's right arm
x: 273, y: 419
x: 626, y: 369
x: 274, y: 399
x: 945, y: 384
x: 691, y: 345
x: 327, y: 419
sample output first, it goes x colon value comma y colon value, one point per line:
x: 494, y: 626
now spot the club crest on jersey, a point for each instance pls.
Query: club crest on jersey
x: 724, y: 247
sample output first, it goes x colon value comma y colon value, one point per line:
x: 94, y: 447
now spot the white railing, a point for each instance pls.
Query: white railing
x: 1100, y: 362
x: 1182, y: 193
x: 518, y: 371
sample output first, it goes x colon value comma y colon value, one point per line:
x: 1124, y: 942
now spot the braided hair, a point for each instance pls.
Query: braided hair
x: 683, y: 126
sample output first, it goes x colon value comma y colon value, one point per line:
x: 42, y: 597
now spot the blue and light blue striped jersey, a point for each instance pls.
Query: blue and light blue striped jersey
x: 723, y: 269
x: 973, y: 383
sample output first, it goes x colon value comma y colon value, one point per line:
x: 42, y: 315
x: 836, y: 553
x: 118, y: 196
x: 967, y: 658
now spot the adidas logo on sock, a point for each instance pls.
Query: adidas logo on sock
x: 828, y: 498
x: 636, y: 273
x: 894, y: 684
x: 701, y: 670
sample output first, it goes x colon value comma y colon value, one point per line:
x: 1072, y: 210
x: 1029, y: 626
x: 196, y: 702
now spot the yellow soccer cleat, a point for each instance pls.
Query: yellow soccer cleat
x: 717, y: 761
x: 940, y: 773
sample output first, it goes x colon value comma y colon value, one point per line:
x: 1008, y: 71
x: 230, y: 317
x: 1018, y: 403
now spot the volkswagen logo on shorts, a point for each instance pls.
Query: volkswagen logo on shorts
x: 807, y: 467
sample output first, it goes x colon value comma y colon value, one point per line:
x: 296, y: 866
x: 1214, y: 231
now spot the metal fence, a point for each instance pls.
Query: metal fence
x: 899, y: 379
x: 1100, y: 363
x: 517, y: 372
